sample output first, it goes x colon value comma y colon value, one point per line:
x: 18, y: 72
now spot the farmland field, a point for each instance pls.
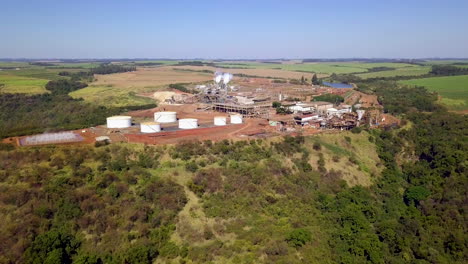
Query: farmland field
x: 21, y: 84
x: 452, y: 89
x: 322, y: 67
x: 263, y: 72
x: 403, y: 71
x: 120, y: 89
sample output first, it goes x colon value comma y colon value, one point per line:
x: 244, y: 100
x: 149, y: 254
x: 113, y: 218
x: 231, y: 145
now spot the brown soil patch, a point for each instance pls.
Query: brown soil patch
x: 150, y: 77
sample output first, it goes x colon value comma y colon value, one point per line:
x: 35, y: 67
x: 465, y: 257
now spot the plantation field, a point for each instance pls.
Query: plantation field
x: 452, y: 89
x: 110, y: 96
x: 324, y: 68
x: 39, y: 73
x: 403, y: 71
x: 261, y: 72
x: 21, y: 84
x: 120, y: 89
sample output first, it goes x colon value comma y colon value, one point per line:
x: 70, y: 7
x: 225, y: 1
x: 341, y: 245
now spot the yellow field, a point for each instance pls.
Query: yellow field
x: 120, y: 89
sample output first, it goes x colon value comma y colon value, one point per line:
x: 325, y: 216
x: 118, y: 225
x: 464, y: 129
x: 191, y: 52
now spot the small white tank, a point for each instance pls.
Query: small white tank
x: 236, y: 119
x: 165, y: 117
x: 119, y: 121
x: 188, y: 123
x: 150, y: 127
x: 220, y: 120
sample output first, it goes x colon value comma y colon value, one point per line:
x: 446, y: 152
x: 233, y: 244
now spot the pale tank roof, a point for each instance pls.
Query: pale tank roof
x: 119, y: 117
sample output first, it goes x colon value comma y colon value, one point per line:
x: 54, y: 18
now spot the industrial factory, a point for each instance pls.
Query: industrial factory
x: 250, y: 108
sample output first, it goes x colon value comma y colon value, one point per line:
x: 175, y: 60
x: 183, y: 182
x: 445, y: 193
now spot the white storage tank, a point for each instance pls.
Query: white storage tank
x: 236, y: 119
x: 220, y: 120
x: 119, y: 121
x: 188, y: 123
x: 150, y: 127
x: 165, y: 117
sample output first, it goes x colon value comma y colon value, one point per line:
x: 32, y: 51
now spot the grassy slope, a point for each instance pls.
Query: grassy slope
x: 110, y: 96
x: 335, y: 145
x: 453, y: 89
x: 237, y: 233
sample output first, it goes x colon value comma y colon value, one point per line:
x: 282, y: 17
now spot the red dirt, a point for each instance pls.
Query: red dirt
x: 249, y: 127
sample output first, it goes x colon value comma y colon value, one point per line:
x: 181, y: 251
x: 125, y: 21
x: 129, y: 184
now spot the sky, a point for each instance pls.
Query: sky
x: 233, y: 29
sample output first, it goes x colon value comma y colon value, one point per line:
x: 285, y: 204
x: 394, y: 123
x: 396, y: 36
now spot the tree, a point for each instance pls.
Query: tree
x: 416, y: 194
x: 55, y: 246
x: 299, y: 237
x: 276, y: 104
x: 315, y: 80
x: 302, y: 80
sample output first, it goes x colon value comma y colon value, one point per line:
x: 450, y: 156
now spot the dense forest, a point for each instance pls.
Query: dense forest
x: 258, y: 201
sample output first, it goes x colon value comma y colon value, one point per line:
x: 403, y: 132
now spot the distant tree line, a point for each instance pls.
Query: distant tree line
x: 194, y: 63
x: 448, y: 70
x: 64, y: 86
x: 332, y: 98
x: 42, y: 64
x: 111, y: 68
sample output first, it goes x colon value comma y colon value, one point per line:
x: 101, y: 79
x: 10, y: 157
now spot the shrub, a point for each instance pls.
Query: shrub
x: 299, y: 237
x: 336, y: 158
x: 191, y: 166
x: 317, y: 146
x: 356, y: 130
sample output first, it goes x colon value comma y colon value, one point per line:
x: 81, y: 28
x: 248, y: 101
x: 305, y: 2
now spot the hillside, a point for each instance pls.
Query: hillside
x: 284, y: 201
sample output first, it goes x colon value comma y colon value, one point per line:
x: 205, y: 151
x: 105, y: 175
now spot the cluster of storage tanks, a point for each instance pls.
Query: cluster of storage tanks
x: 168, y: 117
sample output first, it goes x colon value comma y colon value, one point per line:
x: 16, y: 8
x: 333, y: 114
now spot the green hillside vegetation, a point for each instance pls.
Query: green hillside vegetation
x: 453, y: 89
x: 262, y: 201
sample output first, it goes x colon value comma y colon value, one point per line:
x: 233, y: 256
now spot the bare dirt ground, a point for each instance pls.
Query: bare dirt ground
x: 151, y: 77
x: 366, y: 100
x: 250, y: 127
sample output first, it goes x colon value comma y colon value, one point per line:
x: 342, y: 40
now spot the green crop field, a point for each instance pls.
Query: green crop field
x: 403, y: 71
x: 20, y: 84
x: 452, y: 89
x: 322, y: 67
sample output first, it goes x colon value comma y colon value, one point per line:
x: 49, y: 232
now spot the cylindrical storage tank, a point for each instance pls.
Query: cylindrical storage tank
x: 188, y: 123
x: 150, y: 127
x: 220, y: 121
x: 119, y: 121
x: 236, y: 119
x: 165, y: 117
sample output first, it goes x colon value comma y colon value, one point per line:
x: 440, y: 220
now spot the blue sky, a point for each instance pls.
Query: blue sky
x: 233, y: 29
